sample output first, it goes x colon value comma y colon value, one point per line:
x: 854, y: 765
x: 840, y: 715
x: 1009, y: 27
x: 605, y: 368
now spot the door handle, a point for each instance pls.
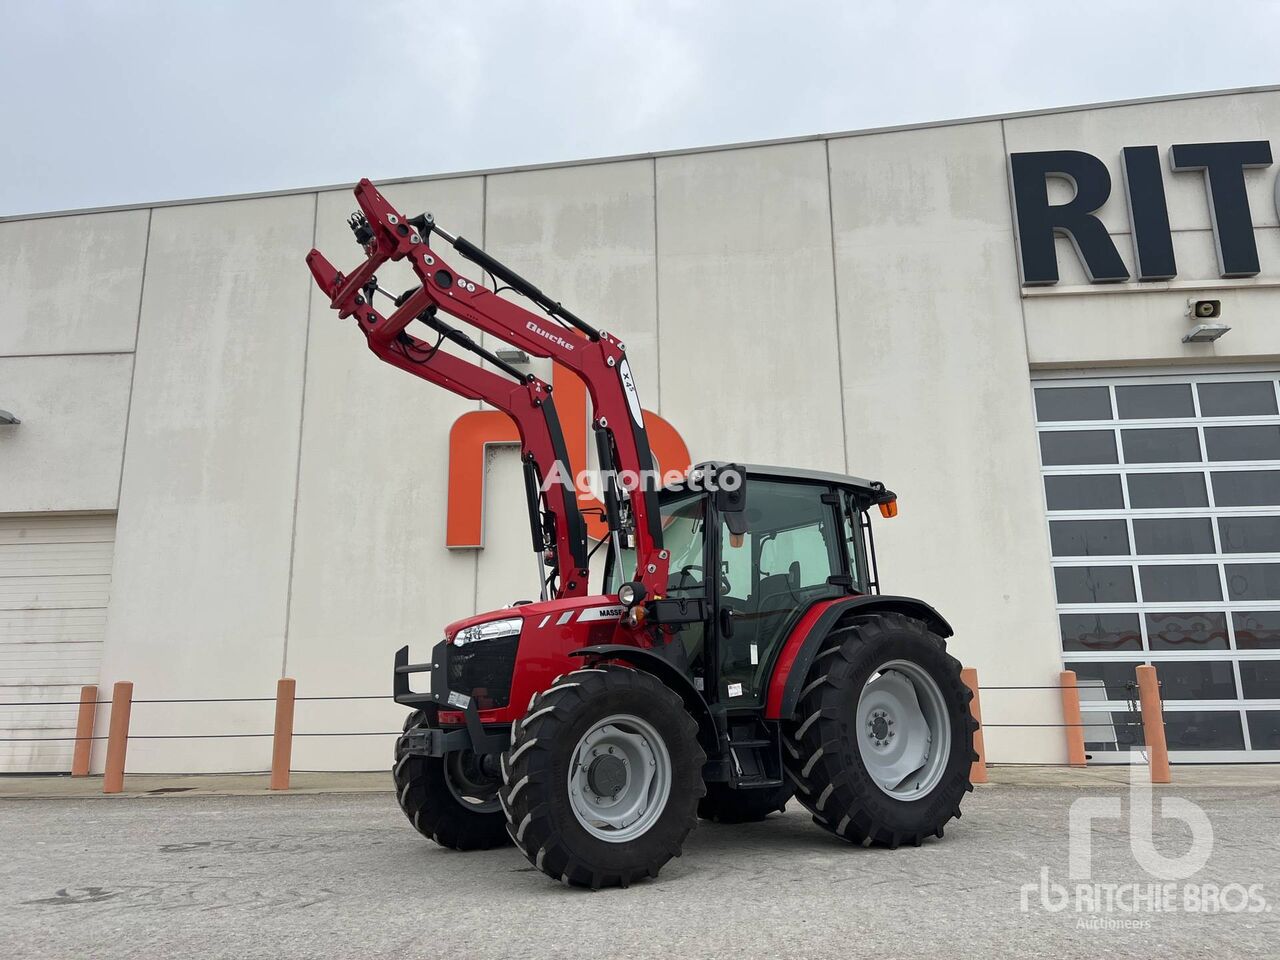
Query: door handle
x: 726, y: 622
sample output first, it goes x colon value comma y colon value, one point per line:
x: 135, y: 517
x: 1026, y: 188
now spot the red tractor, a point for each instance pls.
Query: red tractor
x: 737, y: 653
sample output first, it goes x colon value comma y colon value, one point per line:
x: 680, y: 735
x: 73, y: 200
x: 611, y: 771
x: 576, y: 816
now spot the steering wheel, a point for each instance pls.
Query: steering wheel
x: 684, y: 572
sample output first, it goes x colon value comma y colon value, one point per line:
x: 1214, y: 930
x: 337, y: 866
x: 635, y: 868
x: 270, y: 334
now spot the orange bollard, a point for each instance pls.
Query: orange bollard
x: 117, y: 736
x: 1071, y: 717
x: 1153, y: 724
x: 282, y: 740
x: 978, y: 772
x: 84, y: 731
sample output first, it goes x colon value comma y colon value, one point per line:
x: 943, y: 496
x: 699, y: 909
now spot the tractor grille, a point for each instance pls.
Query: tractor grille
x: 482, y: 670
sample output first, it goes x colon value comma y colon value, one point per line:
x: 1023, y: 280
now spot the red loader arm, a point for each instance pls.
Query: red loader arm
x: 559, y: 534
x: 594, y: 356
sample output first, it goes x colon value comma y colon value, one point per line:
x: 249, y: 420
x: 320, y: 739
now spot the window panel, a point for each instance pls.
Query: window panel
x: 1196, y: 679
x: 1264, y: 729
x: 1154, y: 401
x: 1187, y: 631
x: 1231, y: 399
x: 1173, y: 535
x: 1260, y: 679
x: 1129, y: 732
x: 1253, y: 581
x: 803, y: 553
x: 1096, y: 492
x: 1180, y: 583
x: 1257, y: 631
x: 1116, y: 676
x: 1100, y: 631
x: 1094, y: 584
x: 1241, y: 443
x: 1203, y: 730
x: 1159, y: 490
x: 1072, y: 403
x: 1165, y: 445
x: 1245, y: 488
x: 1249, y: 534
x: 1089, y: 538
x: 1063, y: 447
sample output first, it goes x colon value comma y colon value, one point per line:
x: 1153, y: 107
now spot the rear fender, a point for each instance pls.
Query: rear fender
x: 652, y: 662
x: 806, y: 640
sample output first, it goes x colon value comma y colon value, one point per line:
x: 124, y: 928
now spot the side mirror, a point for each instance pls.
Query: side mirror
x: 731, y: 497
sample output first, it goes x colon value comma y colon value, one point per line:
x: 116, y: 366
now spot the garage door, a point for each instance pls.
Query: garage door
x: 1163, y: 497
x: 55, y: 577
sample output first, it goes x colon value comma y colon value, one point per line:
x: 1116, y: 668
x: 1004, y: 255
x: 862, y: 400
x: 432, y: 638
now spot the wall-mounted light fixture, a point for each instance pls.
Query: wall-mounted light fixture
x: 1204, y: 310
x: 1205, y: 332
x: 7, y: 419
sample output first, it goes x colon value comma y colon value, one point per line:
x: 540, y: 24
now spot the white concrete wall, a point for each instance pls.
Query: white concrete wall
x: 746, y: 304
x: 370, y: 571
x: 201, y: 576
x: 72, y: 287
x: 843, y: 304
x: 72, y: 284
x: 938, y: 407
x: 66, y: 453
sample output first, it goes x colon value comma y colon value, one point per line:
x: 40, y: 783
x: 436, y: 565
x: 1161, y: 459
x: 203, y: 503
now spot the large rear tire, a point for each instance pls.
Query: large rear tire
x: 882, y: 743
x: 451, y: 800
x: 726, y: 805
x: 602, y: 778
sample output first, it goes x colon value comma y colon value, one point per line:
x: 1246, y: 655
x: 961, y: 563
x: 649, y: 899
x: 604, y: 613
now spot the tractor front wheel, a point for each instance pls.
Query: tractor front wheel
x: 602, y: 779
x: 453, y: 800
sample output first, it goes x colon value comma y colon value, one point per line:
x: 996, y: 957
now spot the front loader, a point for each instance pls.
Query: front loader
x: 738, y: 652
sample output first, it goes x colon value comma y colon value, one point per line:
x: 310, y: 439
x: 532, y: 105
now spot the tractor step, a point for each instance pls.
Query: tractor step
x: 757, y: 783
x: 749, y: 744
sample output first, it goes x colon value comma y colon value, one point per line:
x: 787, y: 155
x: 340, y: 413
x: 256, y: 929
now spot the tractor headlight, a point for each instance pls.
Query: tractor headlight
x: 488, y: 631
x: 631, y: 593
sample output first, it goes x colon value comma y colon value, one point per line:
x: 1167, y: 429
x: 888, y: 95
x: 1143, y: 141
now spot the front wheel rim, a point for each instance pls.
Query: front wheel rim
x: 619, y: 778
x: 903, y: 729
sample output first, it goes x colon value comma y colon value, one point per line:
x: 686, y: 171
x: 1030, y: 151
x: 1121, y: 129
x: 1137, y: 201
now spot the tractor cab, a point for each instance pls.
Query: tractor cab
x: 755, y: 562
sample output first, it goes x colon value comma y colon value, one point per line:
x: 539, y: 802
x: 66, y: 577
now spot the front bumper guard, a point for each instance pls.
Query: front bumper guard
x: 437, y: 741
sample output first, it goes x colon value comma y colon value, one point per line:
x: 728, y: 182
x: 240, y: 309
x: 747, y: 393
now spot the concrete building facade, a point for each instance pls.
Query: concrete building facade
x: 214, y: 484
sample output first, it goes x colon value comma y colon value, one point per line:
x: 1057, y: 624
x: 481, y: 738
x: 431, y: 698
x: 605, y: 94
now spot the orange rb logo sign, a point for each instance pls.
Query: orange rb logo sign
x: 473, y: 432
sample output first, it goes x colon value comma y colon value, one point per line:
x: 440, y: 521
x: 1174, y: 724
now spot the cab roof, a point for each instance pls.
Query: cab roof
x: 873, y: 490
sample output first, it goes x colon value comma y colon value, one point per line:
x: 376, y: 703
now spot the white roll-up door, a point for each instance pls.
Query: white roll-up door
x: 55, y: 578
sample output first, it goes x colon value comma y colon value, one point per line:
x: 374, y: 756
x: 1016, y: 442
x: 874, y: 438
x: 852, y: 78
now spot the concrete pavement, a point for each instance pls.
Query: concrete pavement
x: 255, y: 784
x: 343, y: 875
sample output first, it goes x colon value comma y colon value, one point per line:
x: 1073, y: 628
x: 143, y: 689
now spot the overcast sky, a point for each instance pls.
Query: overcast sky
x: 127, y: 101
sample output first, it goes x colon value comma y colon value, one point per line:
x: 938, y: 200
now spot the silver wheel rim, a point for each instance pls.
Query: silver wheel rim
x: 903, y: 730
x: 477, y: 795
x: 619, y: 778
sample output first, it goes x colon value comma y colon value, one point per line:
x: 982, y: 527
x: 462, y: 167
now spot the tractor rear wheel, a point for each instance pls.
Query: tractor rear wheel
x: 602, y: 778
x: 453, y: 800
x: 882, y: 743
x: 726, y: 805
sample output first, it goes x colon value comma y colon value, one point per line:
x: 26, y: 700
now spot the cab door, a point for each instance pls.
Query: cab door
x: 793, y: 554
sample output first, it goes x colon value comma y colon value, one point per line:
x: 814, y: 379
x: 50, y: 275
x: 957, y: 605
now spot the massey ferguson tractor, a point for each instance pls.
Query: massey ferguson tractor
x: 737, y: 653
